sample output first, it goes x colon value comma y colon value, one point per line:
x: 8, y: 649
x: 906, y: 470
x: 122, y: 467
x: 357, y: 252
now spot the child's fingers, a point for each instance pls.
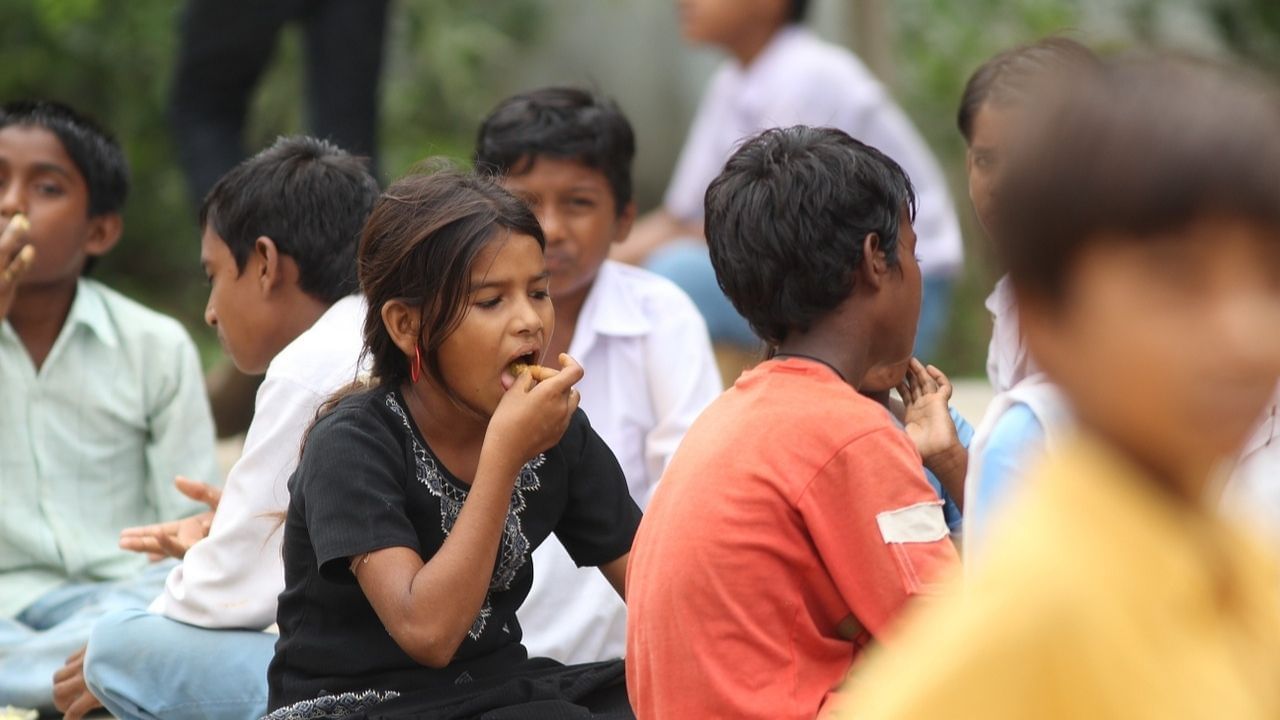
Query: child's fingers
x: 18, y: 266
x: 198, y: 491
x: 922, y: 379
x: 944, y: 382
x: 570, y: 373
x: 541, y: 373
x: 141, y: 544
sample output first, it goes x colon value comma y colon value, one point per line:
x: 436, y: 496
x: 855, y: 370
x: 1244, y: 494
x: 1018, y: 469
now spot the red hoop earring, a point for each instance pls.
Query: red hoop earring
x: 415, y: 370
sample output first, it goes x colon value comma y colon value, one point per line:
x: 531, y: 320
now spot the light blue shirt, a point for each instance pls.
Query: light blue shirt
x: 1016, y: 436
x: 90, y: 443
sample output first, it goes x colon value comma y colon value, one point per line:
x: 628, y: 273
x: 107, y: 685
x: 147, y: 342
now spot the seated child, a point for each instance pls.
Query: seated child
x: 103, y: 401
x: 643, y: 345
x: 418, y: 500
x: 794, y: 523
x: 1142, y: 236
x: 1028, y: 412
x: 780, y: 73
x: 279, y: 245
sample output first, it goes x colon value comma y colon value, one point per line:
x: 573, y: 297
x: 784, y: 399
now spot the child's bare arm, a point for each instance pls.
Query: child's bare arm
x: 926, y: 392
x: 615, y: 572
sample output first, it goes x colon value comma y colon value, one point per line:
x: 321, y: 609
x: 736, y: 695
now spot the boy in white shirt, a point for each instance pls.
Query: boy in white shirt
x: 649, y: 366
x: 279, y: 240
x: 779, y: 74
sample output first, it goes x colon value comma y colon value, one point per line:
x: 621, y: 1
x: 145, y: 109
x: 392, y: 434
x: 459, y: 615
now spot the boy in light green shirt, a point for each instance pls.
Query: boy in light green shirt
x: 103, y: 401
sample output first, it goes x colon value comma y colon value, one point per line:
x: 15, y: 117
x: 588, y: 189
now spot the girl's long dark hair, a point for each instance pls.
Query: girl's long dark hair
x: 418, y: 246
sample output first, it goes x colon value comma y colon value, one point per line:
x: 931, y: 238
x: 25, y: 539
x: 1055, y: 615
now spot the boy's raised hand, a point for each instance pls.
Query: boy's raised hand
x: 926, y: 392
x: 16, y: 257
x: 534, y: 413
x: 175, y: 538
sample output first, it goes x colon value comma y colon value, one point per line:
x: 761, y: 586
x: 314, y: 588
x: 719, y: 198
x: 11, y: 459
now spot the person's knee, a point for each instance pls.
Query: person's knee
x: 115, y: 647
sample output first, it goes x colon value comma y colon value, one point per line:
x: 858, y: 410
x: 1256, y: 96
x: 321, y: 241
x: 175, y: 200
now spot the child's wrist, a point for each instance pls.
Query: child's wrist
x: 953, y: 457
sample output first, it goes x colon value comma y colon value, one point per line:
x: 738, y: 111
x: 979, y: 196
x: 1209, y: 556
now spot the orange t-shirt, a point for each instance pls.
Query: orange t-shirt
x: 792, y: 502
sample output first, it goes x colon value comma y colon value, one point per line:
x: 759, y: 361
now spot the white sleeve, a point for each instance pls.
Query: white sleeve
x: 232, y: 578
x: 683, y: 380
x: 702, y: 157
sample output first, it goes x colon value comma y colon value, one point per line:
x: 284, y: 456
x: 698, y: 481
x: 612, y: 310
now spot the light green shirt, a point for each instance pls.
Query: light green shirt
x: 90, y: 444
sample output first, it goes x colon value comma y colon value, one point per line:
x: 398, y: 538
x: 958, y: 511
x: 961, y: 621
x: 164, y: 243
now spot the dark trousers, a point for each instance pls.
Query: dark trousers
x: 225, y: 45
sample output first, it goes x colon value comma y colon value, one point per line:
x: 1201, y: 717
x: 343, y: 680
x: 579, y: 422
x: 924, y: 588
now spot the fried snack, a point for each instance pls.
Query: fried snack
x: 538, y: 372
x: 9, y: 712
x: 19, y: 265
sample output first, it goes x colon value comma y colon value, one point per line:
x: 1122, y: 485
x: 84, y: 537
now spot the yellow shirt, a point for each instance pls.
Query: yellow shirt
x: 1101, y: 598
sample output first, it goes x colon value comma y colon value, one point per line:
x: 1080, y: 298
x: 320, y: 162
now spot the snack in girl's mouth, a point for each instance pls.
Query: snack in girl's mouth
x: 538, y: 372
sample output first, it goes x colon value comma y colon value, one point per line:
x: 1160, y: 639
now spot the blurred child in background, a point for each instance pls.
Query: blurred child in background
x: 1141, y: 229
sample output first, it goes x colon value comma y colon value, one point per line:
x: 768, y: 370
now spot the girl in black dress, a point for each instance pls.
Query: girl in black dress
x: 420, y: 497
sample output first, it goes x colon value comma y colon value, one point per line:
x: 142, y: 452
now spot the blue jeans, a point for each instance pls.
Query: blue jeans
x: 35, y: 644
x: 688, y: 264
x: 142, y: 665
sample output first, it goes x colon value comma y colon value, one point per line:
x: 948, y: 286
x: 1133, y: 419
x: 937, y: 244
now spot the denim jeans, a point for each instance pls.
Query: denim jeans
x: 142, y: 665
x: 688, y: 264
x: 36, y: 643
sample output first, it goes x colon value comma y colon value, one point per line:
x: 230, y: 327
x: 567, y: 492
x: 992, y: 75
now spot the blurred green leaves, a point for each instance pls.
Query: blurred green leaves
x: 114, y: 59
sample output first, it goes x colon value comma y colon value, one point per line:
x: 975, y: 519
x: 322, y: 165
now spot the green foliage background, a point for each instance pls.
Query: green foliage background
x: 446, y: 59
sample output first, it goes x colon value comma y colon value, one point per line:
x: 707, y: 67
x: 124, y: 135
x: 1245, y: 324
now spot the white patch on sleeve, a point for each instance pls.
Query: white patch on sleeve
x: 920, y: 523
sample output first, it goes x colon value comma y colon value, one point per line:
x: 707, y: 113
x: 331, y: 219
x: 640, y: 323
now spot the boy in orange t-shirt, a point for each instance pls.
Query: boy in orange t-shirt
x: 794, y: 522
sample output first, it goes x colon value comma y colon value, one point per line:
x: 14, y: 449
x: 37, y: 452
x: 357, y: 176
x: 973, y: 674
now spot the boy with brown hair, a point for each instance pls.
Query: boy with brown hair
x: 1141, y: 227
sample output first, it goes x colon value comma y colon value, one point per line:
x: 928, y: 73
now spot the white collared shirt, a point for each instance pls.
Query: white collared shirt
x: 91, y: 440
x: 799, y: 79
x: 649, y: 372
x: 1008, y: 361
x: 231, y: 578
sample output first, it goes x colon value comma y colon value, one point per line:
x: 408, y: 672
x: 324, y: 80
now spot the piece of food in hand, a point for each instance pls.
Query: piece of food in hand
x: 538, y: 372
x: 10, y: 712
x: 19, y: 222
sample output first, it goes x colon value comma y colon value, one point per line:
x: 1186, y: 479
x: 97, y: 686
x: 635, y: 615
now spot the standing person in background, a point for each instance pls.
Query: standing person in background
x: 648, y: 361
x: 224, y: 46
x: 780, y: 74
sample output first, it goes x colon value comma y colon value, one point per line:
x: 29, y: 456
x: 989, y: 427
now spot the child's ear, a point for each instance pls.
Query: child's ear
x: 626, y: 218
x: 403, y: 324
x: 270, y: 266
x: 104, y: 232
x: 874, y: 265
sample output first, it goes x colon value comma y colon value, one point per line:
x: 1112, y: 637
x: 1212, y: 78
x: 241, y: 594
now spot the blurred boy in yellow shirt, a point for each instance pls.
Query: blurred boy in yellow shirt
x: 1141, y: 227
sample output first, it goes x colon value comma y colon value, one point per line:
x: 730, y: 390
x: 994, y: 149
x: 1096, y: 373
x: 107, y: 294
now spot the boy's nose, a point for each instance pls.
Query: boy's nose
x: 552, y: 226
x: 12, y: 201
x: 210, y: 317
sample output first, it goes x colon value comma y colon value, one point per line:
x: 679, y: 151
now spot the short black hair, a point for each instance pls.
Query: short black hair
x: 1019, y: 71
x: 310, y: 197
x: 786, y: 220
x: 799, y: 8
x: 561, y: 122
x: 94, y: 151
x: 1141, y: 150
